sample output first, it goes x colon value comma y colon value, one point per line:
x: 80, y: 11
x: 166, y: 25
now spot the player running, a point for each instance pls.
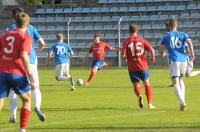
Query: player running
x: 15, y: 69
x: 175, y: 43
x: 36, y: 94
x: 97, y: 50
x: 61, y: 52
x: 133, y: 51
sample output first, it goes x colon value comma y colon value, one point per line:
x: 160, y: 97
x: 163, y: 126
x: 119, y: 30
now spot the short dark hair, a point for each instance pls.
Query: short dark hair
x: 167, y: 26
x: 59, y: 36
x: 172, y: 23
x: 96, y: 35
x: 17, y: 10
x: 133, y: 28
x: 21, y: 19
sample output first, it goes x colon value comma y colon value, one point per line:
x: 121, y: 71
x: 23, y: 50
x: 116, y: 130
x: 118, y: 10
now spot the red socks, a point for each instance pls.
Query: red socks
x: 91, y: 77
x: 137, y: 90
x: 148, y: 93
x: 24, y: 118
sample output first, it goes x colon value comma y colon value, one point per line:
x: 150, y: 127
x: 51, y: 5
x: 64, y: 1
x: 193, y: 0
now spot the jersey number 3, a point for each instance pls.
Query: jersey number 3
x: 136, y: 47
x: 10, y: 40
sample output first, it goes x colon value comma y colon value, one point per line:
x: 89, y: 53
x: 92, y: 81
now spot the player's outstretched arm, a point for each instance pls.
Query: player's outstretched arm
x: 189, y: 42
x: 26, y: 63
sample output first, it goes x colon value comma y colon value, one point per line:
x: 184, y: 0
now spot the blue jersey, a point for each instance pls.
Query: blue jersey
x: 32, y: 31
x: 176, y: 46
x: 60, y: 50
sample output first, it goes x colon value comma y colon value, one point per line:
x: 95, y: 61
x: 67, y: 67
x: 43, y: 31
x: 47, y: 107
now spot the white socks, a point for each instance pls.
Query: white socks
x: 37, y: 97
x: 194, y: 73
x: 22, y: 130
x: 62, y: 78
x: 13, y: 103
x: 179, y: 93
x: 182, y: 85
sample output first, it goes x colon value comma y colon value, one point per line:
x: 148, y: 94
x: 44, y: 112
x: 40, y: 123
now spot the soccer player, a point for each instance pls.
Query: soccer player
x: 189, y: 69
x: 15, y: 69
x: 61, y: 52
x: 175, y: 43
x: 36, y: 94
x: 97, y: 50
x: 133, y: 51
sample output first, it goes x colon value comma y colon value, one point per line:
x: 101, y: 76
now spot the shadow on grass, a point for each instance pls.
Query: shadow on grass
x: 122, y: 128
x: 135, y: 109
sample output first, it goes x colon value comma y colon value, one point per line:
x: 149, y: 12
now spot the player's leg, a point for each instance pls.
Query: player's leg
x: 59, y: 70
x: 148, y: 90
x: 92, y: 74
x: 4, y: 89
x: 189, y: 70
x: 25, y: 111
x: 13, y: 106
x: 106, y: 64
x: 176, y: 75
x: 36, y: 94
x: 1, y: 104
x: 134, y: 76
x: 20, y: 85
x: 66, y: 73
x: 96, y: 65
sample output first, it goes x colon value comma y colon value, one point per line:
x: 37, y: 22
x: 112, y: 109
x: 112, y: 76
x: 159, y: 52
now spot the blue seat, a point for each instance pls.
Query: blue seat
x: 142, y: 8
x: 152, y: 8
x: 195, y: 15
x: 114, y: 9
x: 49, y: 10
x: 104, y: 9
x: 180, y: 7
x: 123, y: 9
x: 59, y: 10
x: 184, y: 15
x: 77, y: 10
x: 132, y: 9
x: 144, y: 17
x: 86, y: 10
x: 67, y: 10
x: 154, y: 17
x: 40, y: 11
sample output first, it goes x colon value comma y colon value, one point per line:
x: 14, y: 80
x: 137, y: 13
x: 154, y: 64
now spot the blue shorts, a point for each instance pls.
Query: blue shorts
x: 98, y: 63
x: 19, y: 83
x: 136, y: 76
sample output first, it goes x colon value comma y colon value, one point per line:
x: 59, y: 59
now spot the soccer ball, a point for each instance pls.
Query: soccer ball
x: 80, y: 82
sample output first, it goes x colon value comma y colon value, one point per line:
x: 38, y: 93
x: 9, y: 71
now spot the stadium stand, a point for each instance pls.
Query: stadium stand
x: 102, y: 16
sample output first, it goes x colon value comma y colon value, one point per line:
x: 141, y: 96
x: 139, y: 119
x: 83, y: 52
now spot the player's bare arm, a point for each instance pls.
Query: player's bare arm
x: 189, y: 42
x: 152, y: 53
x: 41, y: 45
x: 49, y: 55
x: 162, y: 50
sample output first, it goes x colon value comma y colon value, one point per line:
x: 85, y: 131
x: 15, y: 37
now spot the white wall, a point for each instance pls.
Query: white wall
x: 8, y: 2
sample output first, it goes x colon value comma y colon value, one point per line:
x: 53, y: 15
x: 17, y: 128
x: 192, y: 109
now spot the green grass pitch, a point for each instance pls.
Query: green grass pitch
x: 109, y: 104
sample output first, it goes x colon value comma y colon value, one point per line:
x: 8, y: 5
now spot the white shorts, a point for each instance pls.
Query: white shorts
x: 189, y: 66
x: 35, y: 74
x: 177, y: 69
x: 62, y: 69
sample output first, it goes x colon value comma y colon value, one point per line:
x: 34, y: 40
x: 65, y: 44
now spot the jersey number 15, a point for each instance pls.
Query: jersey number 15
x: 136, y: 47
